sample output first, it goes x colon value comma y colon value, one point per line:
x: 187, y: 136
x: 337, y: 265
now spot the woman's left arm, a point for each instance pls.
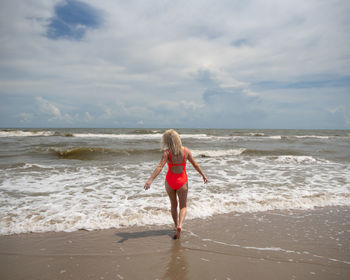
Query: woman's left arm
x: 196, y: 166
x: 157, y: 170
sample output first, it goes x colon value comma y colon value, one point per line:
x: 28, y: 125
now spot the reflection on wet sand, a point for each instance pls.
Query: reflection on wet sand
x: 177, y: 267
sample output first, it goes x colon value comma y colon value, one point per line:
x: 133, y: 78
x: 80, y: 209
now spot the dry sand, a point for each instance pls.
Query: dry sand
x: 270, y: 245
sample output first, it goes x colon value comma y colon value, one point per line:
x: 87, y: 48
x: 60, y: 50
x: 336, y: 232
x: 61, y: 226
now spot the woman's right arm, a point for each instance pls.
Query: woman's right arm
x: 196, y: 166
x: 157, y: 170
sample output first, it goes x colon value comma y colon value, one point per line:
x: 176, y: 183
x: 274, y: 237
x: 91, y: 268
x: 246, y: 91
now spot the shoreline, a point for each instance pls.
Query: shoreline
x: 298, y: 244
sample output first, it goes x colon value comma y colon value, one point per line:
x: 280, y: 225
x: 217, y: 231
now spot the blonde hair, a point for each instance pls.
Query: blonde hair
x: 171, y: 140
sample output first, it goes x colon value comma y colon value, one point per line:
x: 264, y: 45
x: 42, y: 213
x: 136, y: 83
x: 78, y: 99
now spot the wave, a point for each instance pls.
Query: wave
x: 244, y: 152
x: 282, y: 156
x: 137, y: 136
x: 94, y: 153
x: 313, y: 136
x: 80, y: 153
x: 277, y: 137
x: 218, y: 153
x: 97, y: 196
x: 22, y: 133
x: 256, y: 134
x: 145, y: 131
x: 100, y: 153
x: 120, y: 136
x: 278, y: 152
x: 25, y: 166
x: 144, y: 134
x: 85, y: 213
x: 299, y: 159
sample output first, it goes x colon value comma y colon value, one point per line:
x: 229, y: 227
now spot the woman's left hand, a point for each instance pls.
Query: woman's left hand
x: 205, y: 179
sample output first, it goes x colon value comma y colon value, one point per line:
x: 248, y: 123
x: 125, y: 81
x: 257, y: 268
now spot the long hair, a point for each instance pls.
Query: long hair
x: 171, y: 140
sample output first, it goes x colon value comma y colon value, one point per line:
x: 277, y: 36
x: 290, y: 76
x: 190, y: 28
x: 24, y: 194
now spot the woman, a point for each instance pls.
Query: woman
x: 176, y: 183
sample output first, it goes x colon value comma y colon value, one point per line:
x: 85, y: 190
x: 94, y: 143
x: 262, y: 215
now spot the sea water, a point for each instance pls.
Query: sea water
x: 71, y: 179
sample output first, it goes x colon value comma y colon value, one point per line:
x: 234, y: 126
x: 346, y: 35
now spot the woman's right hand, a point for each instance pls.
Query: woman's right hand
x: 148, y: 184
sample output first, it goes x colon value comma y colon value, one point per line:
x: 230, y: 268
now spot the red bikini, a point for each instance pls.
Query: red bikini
x: 176, y: 180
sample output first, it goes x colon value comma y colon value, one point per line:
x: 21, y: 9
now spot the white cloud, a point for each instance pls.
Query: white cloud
x: 340, y: 110
x: 336, y: 109
x: 88, y: 117
x: 48, y: 108
x: 26, y: 117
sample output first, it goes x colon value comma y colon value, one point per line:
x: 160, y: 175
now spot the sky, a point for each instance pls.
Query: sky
x: 186, y: 63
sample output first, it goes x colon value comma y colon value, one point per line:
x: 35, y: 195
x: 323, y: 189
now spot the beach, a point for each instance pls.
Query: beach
x: 298, y: 244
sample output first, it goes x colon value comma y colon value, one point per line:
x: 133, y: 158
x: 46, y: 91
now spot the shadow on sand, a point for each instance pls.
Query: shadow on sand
x: 142, y: 234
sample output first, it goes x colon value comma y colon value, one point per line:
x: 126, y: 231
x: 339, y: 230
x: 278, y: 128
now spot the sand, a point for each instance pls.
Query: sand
x: 313, y: 244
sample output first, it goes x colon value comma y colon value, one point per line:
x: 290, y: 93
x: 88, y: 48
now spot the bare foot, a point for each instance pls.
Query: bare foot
x: 178, y: 233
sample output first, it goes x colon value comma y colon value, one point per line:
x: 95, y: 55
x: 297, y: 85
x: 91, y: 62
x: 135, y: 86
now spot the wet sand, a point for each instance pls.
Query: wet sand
x: 311, y: 244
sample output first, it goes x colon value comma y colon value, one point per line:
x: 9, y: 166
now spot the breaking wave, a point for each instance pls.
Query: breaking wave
x: 95, y: 153
x: 22, y: 133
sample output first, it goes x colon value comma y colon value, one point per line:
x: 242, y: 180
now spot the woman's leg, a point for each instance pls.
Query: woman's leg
x: 173, y: 202
x: 182, y: 194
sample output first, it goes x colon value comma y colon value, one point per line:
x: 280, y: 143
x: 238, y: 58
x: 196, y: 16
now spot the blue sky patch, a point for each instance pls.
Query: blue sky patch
x: 71, y: 20
x: 240, y: 43
x: 333, y: 82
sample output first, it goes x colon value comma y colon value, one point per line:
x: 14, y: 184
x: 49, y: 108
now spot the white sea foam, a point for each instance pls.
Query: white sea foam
x: 218, y: 153
x: 256, y: 134
x: 36, y: 165
x: 134, y: 136
x: 67, y: 198
x: 21, y: 133
x: 247, y: 171
x: 276, y: 137
x: 312, y: 136
x: 120, y: 136
x: 270, y: 249
x: 298, y: 159
x: 199, y: 136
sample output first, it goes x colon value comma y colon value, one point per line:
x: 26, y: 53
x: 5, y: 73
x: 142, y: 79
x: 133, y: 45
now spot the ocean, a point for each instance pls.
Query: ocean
x: 72, y: 179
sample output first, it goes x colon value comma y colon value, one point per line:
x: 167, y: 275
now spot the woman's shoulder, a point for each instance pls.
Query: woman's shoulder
x: 187, y: 150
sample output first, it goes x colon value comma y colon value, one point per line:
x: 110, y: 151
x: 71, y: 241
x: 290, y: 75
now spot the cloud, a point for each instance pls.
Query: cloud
x: 48, y: 108
x: 25, y: 117
x: 183, y: 63
x: 340, y: 112
x: 88, y: 117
